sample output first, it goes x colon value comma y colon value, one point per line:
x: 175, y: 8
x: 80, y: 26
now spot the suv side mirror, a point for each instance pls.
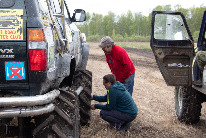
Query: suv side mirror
x: 78, y: 16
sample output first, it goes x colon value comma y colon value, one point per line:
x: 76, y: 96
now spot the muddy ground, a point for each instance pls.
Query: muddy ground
x: 155, y: 100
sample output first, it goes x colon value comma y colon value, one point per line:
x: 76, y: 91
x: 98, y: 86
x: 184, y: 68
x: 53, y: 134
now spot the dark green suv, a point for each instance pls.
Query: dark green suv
x: 44, y: 85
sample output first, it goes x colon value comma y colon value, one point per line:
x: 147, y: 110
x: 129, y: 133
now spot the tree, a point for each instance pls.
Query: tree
x: 130, y: 25
x: 108, y: 24
x: 195, y: 18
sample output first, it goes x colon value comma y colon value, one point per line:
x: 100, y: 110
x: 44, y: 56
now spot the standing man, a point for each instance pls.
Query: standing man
x: 119, y: 63
x: 120, y: 109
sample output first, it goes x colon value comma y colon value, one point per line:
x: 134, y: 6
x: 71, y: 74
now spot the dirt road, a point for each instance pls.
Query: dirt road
x: 155, y: 100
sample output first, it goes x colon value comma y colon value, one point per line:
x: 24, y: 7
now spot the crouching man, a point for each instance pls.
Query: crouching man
x: 120, y: 109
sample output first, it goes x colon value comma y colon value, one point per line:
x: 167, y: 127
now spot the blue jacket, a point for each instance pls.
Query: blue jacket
x: 117, y: 98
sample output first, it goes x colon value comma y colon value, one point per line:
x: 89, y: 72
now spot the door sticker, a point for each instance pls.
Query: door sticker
x: 15, y: 70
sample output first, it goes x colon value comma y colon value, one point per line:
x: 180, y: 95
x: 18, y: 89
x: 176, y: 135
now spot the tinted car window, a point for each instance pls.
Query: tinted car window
x: 7, y: 3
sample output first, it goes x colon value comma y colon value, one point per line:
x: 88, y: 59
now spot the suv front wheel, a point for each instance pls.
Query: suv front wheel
x: 187, y: 104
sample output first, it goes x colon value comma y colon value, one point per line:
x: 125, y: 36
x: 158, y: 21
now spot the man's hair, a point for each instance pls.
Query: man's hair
x: 106, y: 41
x: 110, y: 78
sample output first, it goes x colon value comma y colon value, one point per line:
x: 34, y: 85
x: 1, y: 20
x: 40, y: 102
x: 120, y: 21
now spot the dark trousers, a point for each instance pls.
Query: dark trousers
x: 116, y: 118
x: 129, y: 83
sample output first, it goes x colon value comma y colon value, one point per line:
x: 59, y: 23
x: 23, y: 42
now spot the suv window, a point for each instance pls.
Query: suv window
x: 6, y: 3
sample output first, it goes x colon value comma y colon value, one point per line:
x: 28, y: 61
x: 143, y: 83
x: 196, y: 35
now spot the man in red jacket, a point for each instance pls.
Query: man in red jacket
x: 119, y: 62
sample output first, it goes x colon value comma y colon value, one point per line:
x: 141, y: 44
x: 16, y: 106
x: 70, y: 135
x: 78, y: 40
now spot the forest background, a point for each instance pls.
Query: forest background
x: 135, y: 27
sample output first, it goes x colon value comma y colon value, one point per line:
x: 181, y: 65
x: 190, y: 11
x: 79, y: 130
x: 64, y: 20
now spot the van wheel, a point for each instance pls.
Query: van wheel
x: 84, y: 78
x: 187, y: 104
x: 63, y: 122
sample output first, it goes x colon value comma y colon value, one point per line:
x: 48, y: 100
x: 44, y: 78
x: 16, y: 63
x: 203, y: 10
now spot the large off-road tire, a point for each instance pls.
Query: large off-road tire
x: 63, y: 122
x: 187, y: 104
x: 84, y: 78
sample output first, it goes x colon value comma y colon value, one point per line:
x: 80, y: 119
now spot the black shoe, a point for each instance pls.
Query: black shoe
x: 124, y: 127
x: 198, y: 83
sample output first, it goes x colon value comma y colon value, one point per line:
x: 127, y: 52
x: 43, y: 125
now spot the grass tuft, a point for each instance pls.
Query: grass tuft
x: 138, y: 45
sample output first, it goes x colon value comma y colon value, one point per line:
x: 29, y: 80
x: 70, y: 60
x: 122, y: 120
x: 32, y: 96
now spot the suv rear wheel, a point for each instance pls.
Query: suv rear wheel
x: 64, y: 121
x: 84, y: 78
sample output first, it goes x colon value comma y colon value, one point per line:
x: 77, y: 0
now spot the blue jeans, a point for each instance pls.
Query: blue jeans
x: 116, y: 118
x: 129, y: 83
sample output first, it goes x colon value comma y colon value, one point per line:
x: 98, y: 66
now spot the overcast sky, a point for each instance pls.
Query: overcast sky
x: 122, y: 6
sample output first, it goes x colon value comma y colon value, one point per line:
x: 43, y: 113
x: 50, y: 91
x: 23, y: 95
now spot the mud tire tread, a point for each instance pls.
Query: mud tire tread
x: 63, y: 122
x: 84, y: 78
x: 189, y: 111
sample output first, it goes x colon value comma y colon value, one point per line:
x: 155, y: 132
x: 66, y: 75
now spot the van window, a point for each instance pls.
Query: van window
x: 6, y: 3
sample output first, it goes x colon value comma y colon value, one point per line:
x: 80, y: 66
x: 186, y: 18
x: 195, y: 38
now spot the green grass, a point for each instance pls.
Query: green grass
x: 138, y: 45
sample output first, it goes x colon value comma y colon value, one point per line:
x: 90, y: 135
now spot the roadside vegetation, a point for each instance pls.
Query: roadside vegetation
x: 135, y: 27
x: 137, y: 45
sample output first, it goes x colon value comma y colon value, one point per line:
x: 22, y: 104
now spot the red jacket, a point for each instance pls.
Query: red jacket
x: 119, y: 63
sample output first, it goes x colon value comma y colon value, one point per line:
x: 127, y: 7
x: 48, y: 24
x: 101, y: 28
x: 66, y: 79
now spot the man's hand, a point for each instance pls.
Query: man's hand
x: 91, y: 96
x: 92, y: 107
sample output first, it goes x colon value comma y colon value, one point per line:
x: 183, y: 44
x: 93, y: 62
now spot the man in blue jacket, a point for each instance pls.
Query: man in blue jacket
x: 120, y: 109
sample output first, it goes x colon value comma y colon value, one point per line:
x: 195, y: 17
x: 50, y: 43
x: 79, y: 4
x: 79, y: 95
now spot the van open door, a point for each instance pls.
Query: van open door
x: 173, y: 47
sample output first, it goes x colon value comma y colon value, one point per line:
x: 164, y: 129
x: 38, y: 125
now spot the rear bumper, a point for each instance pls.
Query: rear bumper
x: 24, y: 106
x: 25, y: 112
x: 29, y: 100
